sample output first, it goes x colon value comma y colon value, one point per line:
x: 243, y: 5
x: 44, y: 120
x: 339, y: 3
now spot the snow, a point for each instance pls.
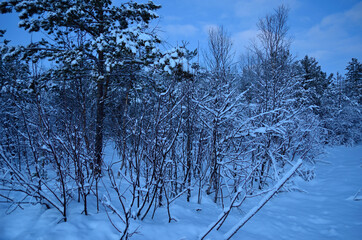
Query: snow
x: 263, y: 201
x: 324, y: 210
x: 260, y: 130
x: 172, y: 63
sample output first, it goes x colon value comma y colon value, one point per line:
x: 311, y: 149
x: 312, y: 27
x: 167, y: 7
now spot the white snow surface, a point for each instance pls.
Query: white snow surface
x: 325, y: 210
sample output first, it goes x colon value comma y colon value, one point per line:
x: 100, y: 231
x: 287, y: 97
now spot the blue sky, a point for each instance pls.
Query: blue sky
x: 330, y: 31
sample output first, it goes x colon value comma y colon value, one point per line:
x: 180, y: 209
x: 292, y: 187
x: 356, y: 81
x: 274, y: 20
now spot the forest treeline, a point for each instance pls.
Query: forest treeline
x: 180, y: 126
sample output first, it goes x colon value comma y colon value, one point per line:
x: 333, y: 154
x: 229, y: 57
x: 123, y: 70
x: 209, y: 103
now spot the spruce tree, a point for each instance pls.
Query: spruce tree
x: 314, y: 83
x: 353, y: 82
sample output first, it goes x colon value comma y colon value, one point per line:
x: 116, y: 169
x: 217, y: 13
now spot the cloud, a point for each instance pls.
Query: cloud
x: 355, y: 14
x: 184, y: 30
x: 242, y: 40
x: 336, y: 38
x: 172, y: 18
x: 352, y: 16
x: 259, y: 8
x: 339, y: 23
x: 207, y: 27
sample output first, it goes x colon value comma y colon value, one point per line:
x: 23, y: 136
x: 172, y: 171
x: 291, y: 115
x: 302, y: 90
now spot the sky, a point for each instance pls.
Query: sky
x: 328, y: 30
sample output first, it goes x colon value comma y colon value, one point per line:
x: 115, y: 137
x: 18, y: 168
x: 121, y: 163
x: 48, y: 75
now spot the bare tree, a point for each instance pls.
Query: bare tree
x: 219, y: 103
x: 282, y: 124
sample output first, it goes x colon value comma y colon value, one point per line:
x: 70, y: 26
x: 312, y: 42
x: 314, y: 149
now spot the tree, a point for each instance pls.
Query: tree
x: 353, y: 85
x: 14, y: 89
x: 314, y: 83
x: 218, y: 105
x: 113, y: 37
x: 342, y: 105
x: 281, y: 125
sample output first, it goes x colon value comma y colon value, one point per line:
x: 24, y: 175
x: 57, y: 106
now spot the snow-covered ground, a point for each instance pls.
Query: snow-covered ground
x: 326, y: 210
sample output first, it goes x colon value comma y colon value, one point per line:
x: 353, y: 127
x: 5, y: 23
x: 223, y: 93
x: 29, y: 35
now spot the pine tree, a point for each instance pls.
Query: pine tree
x: 353, y: 85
